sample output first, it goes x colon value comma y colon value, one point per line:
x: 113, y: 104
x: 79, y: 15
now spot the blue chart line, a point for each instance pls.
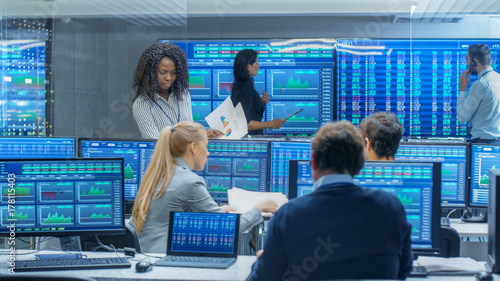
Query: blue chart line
x: 449, y: 170
x: 201, y: 109
x: 449, y: 190
x: 24, y: 192
x: 56, y: 215
x: 200, y: 83
x: 24, y: 215
x: 246, y: 167
x: 94, y: 214
x: 55, y: 192
x: 95, y: 191
x: 409, y: 197
x: 218, y: 187
x: 250, y: 184
x: 307, y: 119
x: 416, y: 229
x: 293, y: 83
x: 223, y: 81
x: 219, y: 166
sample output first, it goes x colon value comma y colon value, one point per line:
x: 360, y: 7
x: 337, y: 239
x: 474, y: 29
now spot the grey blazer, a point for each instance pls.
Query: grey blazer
x: 186, y: 192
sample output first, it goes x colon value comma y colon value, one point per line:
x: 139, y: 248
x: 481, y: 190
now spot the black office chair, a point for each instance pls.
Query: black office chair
x: 449, y: 242
x: 26, y: 277
x: 130, y: 239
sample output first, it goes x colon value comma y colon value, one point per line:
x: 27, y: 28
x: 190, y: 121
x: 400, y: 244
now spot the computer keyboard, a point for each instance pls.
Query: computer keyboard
x: 71, y: 264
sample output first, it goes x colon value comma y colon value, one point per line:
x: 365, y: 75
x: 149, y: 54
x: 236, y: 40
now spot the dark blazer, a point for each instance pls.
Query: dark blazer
x: 338, y: 231
x: 252, y: 103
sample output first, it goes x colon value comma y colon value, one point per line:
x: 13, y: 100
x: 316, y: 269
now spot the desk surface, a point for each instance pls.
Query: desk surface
x: 238, y: 271
x: 469, y: 229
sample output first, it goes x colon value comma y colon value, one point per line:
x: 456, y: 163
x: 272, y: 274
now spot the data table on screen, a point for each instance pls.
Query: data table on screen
x: 415, y: 79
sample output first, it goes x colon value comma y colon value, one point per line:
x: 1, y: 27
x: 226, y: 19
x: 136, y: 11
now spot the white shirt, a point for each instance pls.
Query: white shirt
x: 481, y: 106
x: 152, y: 117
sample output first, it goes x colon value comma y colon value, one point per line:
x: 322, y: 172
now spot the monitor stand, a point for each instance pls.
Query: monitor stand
x: 475, y: 215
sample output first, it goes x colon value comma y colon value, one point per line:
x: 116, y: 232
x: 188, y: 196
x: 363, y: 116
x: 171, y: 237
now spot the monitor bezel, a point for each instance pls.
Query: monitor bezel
x: 43, y: 138
x: 129, y: 202
x: 469, y: 203
x: 435, y: 207
x: 268, y: 169
x: 467, y: 165
x: 292, y: 174
x: 270, y: 158
x: 236, y: 237
x: 56, y: 233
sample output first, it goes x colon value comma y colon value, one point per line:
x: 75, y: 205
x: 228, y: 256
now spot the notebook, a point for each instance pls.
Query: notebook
x: 208, y: 240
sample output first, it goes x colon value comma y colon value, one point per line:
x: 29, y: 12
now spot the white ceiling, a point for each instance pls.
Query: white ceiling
x: 193, y: 8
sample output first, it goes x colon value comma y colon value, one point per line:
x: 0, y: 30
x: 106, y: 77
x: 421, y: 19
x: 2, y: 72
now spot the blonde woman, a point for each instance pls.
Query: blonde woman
x: 170, y: 185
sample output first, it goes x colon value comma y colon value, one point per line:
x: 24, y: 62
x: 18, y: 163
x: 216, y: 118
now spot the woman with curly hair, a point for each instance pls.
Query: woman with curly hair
x: 162, y: 98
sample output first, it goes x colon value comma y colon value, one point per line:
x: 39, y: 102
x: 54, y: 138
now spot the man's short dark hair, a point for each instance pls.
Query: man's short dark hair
x: 338, y: 147
x: 481, y: 53
x: 384, y: 132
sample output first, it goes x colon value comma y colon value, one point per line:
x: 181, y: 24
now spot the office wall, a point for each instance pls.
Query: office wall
x: 94, y: 58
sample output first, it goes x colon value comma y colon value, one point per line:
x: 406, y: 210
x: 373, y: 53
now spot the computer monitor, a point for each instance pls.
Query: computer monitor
x: 296, y: 73
x: 417, y: 79
x: 493, y: 260
x: 59, y: 197
x: 300, y: 178
x: 418, y: 186
x: 235, y: 163
x: 281, y: 154
x: 136, y: 156
x: 453, y: 159
x: 36, y: 147
x: 483, y: 158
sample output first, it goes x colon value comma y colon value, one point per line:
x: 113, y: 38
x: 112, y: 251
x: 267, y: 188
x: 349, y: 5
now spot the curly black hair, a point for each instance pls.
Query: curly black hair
x: 146, y: 72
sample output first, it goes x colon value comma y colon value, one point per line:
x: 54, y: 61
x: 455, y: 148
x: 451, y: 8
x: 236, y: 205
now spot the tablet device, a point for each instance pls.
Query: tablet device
x: 291, y: 114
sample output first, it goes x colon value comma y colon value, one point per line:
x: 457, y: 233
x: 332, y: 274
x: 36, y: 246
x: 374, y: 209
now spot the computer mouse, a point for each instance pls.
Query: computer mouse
x: 484, y: 276
x: 143, y: 266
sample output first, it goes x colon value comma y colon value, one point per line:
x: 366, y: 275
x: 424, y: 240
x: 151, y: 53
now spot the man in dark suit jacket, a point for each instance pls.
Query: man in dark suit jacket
x: 340, y: 230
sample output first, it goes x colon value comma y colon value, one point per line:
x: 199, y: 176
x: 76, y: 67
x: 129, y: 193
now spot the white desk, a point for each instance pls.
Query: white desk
x: 238, y: 271
x: 474, y: 237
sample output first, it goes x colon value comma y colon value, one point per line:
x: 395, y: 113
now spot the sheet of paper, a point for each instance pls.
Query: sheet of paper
x: 433, y: 264
x: 245, y: 200
x: 229, y: 120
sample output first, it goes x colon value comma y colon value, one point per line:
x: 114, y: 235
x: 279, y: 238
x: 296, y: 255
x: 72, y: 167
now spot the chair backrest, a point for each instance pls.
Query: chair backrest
x: 449, y: 242
x: 130, y: 239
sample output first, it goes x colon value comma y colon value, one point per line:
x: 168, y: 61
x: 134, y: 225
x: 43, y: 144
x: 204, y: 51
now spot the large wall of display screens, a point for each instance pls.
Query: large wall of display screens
x: 295, y: 73
x: 415, y: 79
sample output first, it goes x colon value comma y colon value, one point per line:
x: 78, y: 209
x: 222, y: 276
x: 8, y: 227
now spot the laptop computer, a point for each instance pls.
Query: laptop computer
x: 208, y: 240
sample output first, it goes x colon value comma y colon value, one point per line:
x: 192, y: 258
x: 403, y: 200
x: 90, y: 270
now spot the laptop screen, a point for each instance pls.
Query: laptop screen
x: 203, y: 234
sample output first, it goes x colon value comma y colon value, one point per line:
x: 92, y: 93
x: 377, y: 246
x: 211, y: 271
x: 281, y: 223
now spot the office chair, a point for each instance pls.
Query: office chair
x: 26, y: 277
x: 130, y: 239
x: 450, y: 242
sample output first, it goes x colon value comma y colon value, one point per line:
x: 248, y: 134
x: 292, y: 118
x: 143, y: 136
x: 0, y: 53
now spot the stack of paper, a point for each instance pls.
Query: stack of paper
x: 435, y: 264
x: 243, y: 200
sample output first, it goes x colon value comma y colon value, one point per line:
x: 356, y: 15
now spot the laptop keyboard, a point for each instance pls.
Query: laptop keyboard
x: 199, y: 259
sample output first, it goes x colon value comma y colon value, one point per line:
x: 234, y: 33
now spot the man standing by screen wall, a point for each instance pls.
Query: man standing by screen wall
x: 481, y: 105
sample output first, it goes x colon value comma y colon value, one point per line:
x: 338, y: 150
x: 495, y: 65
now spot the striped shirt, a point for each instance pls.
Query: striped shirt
x: 481, y: 105
x: 151, y: 118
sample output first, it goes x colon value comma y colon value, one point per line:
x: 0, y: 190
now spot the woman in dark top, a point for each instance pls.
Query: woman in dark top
x: 246, y: 65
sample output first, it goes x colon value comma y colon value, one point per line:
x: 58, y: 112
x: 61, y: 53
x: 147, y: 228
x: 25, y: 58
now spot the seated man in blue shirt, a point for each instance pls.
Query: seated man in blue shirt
x: 481, y: 105
x: 382, y: 133
x: 340, y: 230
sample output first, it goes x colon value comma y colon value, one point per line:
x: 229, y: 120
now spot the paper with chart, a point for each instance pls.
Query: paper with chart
x: 230, y: 120
x: 245, y: 200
